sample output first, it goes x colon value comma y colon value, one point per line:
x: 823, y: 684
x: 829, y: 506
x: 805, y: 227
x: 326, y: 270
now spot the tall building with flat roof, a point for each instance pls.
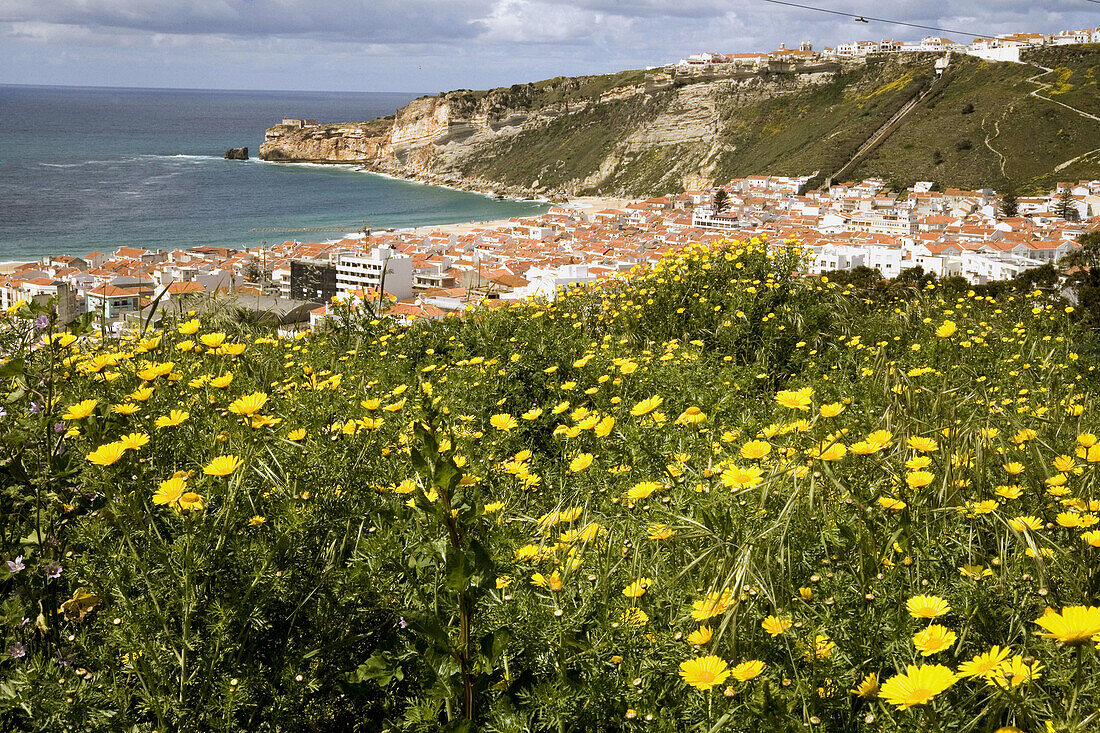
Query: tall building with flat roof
x: 312, y: 280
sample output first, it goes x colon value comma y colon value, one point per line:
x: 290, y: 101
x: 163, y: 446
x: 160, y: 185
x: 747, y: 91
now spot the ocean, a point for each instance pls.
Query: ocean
x: 84, y: 169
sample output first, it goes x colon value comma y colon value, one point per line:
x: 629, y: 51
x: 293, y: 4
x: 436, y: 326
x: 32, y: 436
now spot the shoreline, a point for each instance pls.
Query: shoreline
x: 533, y: 198
x: 489, y: 189
x: 7, y: 267
x: 586, y: 203
x: 477, y: 187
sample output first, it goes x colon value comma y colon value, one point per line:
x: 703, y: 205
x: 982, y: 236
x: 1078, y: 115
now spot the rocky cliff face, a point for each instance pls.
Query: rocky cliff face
x: 352, y: 142
x: 428, y: 139
x: 624, y: 134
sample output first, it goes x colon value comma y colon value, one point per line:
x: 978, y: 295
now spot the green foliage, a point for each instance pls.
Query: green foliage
x: 568, y: 149
x: 1064, y: 206
x: 1033, y: 135
x: 1078, y: 87
x: 517, y: 520
x: 786, y: 134
x: 1081, y: 270
x: 783, y: 125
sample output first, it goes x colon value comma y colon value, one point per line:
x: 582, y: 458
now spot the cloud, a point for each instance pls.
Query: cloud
x: 438, y: 44
x: 526, y: 21
x: 374, y: 21
x: 531, y: 21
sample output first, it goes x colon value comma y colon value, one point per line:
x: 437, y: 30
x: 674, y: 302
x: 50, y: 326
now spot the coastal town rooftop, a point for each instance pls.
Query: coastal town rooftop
x: 444, y: 269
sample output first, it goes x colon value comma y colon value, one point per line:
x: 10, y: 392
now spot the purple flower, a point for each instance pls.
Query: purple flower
x: 59, y: 427
x: 16, y: 565
x: 17, y: 650
x: 53, y: 570
x: 402, y: 623
x: 3, y: 413
x: 35, y: 409
x: 42, y: 321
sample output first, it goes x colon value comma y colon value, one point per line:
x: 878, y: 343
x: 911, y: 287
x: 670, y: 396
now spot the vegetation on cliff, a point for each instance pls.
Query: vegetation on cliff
x: 560, y: 90
x: 709, y: 495
x: 650, y: 143
x: 983, y: 128
x: 977, y: 127
x: 980, y: 125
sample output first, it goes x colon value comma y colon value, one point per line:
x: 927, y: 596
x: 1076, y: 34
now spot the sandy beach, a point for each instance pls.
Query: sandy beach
x: 586, y: 203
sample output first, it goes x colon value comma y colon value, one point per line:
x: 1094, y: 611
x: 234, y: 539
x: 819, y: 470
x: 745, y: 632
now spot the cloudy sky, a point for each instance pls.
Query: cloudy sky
x: 433, y: 45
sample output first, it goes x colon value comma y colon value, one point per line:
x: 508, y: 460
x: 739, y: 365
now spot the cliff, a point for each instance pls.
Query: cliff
x: 439, y: 138
x: 643, y: 133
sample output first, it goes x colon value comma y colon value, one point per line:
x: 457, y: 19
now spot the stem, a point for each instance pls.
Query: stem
x: 465, y: 614
x: 1076, y: 683
x: 186, y: 608
x: 933, y: 719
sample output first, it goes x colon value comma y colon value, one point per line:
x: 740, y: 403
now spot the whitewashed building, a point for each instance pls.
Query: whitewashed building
x: 364, y: 271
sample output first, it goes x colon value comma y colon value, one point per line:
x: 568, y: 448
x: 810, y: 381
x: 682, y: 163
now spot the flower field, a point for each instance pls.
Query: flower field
x: 709, y: 495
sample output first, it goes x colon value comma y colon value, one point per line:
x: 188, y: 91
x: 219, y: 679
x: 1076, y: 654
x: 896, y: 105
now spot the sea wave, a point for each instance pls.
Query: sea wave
x: 353, y: 167
x: 486, y: 194
x: 105, y: 161
x: 184, y: 158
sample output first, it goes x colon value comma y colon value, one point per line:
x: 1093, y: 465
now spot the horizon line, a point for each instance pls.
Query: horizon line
x: 192, y: 89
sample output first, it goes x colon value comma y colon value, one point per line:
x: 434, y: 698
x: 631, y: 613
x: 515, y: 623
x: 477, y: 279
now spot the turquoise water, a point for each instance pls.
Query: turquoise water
x: 85, y: 169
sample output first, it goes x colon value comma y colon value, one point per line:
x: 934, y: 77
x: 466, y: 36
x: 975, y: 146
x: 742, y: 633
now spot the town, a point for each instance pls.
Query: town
x: 978, y: 235
x: 1005, y: 47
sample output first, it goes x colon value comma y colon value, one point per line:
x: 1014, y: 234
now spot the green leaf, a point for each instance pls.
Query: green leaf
x: 483, y: 562
x: 430, y: 628
x: 11, y: 367
x: 377, y: 668
x: 419, y: 462
x: 498, y: 643
x: 458, y: 570
x: 446, y: 477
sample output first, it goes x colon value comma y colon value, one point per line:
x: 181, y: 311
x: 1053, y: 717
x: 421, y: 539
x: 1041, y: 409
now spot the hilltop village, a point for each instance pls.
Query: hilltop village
x: 428, y: 273
x: 1004, y: 47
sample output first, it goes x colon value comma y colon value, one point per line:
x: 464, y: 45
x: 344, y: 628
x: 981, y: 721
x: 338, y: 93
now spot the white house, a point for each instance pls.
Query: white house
x: 981, y: 268
x: 355, y: 271
x: 546, y: 282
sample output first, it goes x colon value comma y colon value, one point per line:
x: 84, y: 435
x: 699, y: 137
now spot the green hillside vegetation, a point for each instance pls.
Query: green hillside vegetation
x: 756, y: 135
x: 1075, y: 77
x: 553, y: 92
x: 977, y: 127
x: 567, y: 149
x: 710, y: 495
x: 819, y: 128
x: 944, y: 139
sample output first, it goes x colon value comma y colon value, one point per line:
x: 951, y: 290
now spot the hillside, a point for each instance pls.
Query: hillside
x: 638, y: 133
x: 710, y: 495
x: 985, y: 128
